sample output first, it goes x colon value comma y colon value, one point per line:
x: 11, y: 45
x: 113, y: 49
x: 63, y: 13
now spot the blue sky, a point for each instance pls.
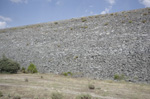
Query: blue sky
x: 25, y: 12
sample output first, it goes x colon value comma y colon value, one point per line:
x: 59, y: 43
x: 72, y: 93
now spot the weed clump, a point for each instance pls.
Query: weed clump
x: 118, y: 77
x: 32, y: 68
x: 8, y: 66
x: 83, y: 19
x: 111, y: 14
x: 41, y: 77
x: 84, y: 96
x: 84, y: 27
x: 75, y: 57
x: 55, y: 22
x: 130, y: 21
x: 106, y: 24
x: 67, y: 74
x: 144, y: 21
x: 57, y: 95
x: 91, y: 86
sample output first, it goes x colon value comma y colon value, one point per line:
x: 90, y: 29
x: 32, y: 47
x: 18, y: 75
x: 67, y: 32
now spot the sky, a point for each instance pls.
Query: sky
x: 15, y: 13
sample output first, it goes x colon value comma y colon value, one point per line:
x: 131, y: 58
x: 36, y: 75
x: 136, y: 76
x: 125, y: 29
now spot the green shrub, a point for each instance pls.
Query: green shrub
x: 1, y: 94
x: 8, y: 66
x: 118, y: 77
x: 84, y: 96
x: 130, y: 21
x: 65, y: 74
x: 57, y: 95
x: 32, y: 68
x: 55, y: 22
x: 91, y: 86
x: 83, y: 19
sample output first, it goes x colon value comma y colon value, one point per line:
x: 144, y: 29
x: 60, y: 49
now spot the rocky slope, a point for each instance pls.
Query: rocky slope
x: 97, y: 47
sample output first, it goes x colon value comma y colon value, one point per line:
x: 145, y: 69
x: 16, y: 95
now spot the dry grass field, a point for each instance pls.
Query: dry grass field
x: 41, y: 86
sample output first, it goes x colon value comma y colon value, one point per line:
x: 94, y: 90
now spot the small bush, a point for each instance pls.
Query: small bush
x: 1, y: 94
x: 112, y: 14
x: 91, y: 86
x: 83, y: 19
x: 32, y: 68
x: 118, y: 77
x: 55, y: 22
x: 84, y: 96
x: 71, y: 28
x: 130, y: 21
x: 65, y: 74
x: 106, y: 24
x: 8, y: 66
x: 41, y: 77
x: 144, y: 21
x: 57, y: 95
x: 84, y: 27
x: 75, y: 57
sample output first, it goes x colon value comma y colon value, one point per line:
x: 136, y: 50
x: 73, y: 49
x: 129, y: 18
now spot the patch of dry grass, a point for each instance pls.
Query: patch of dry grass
x: 14, y: 85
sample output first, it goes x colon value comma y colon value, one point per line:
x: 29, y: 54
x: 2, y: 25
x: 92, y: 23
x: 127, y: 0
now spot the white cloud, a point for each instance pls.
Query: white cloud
x: 146, y: 3
x: 111, y: 1
x: 106, y: 10
x: 5, y: 18
x: 4, y: 21
x: 3, y: 25
x: 19, y: 1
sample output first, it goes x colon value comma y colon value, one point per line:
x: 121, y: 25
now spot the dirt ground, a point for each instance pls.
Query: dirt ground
x: 40, y: 86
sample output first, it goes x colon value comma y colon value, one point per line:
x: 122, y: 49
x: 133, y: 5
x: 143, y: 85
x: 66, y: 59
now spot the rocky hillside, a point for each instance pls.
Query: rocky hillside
x: 97, y: 47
